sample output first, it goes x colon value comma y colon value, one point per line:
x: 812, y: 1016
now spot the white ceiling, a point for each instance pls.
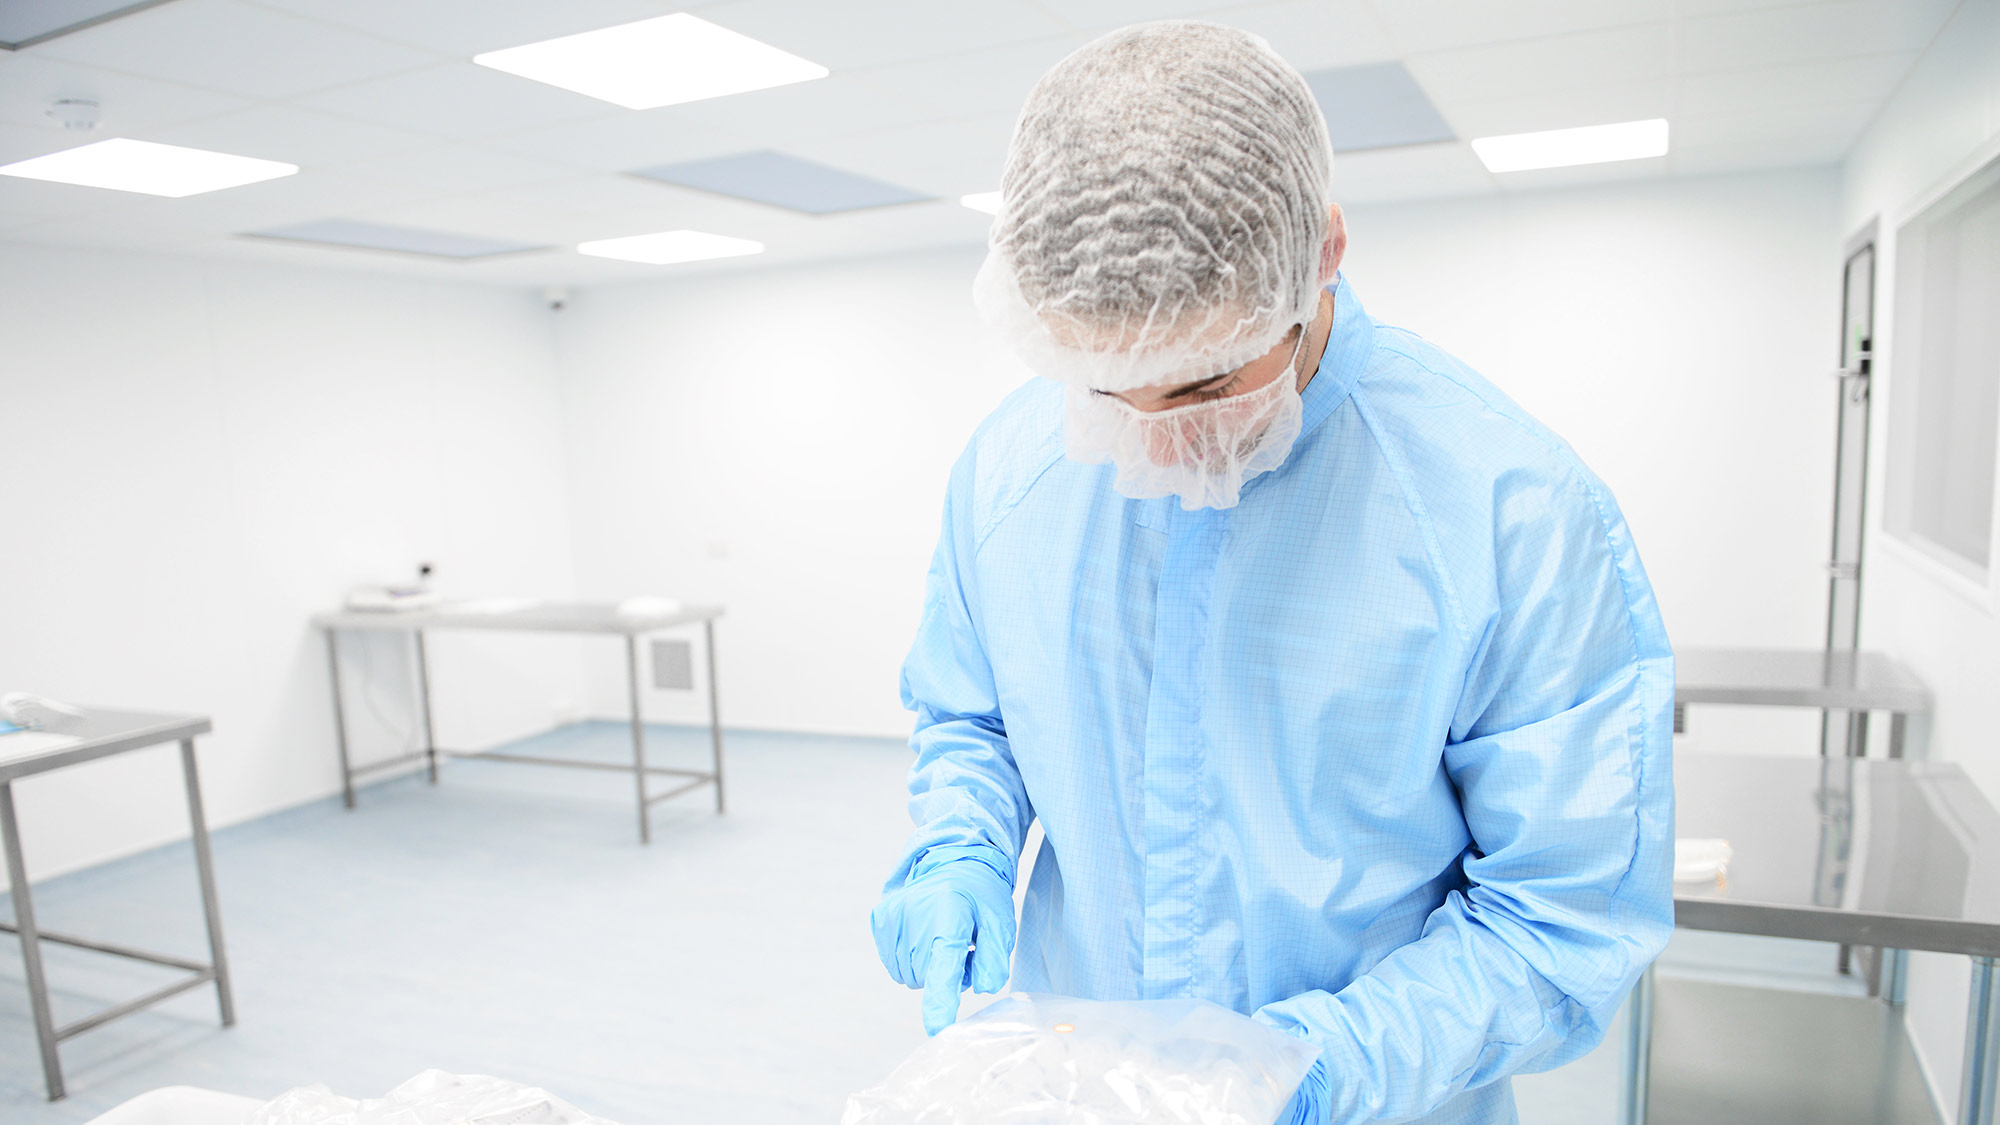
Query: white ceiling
x: 378, y: 102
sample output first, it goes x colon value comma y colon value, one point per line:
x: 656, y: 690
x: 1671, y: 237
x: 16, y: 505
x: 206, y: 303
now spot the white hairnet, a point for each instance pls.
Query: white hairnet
x: 1162, y: 211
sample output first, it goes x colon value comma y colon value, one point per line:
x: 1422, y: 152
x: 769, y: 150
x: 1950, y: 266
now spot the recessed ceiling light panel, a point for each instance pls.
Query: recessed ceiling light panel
x: 1562, y: 148
x: 670, y: 246
x: 784, y: 181
x: 399, y: 240
x: 123, y: 164
x: 661, y: 61
x: 987, y: 201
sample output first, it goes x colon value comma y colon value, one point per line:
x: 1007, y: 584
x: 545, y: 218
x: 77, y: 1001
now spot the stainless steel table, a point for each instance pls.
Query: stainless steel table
x: 1895, y: 853
x: 102, y: 734
x: 1857, y: 682
x: 539, y: 617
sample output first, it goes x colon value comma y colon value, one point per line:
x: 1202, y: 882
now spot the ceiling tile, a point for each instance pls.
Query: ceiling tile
x: 282, y: 132
x: 1867, y: 78
x: 350, y: 234
x: 1818, y: 122
x: 1560, y: 109
x: 1312, y: 34
x: 1562, y: 62
x: 1746, y: 156
x: 1808, y: 32
x: 1375, y: 105
x: 1103, y: 15
x: 1435, y: 25
x: 236, y: 48
x: 446, y: 169
x: 1416, y: 172
x: 458, y: 100
x: 468, y: 27
x: 781, y: 180
x: 585, y: 195
x: 484, y: 214
x: 615, y: 142
x: 947, y: 159
x: 849, y: 36
x: 29, y: 83
x: 990, y: 81
x: 783, y: 114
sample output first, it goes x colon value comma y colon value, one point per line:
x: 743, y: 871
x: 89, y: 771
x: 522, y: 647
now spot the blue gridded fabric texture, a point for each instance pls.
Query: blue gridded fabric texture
x: 1381, y: 755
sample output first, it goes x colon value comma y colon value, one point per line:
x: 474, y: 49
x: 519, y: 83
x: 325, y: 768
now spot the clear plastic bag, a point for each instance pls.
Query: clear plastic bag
x: 431, y: 1098
x: 1054, y: 1060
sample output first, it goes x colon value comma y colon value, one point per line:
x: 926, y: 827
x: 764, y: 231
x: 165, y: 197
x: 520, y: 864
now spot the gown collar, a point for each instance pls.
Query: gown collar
x: 1341, y: 364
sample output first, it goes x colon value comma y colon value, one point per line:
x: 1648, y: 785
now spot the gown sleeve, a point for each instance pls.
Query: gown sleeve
x: 1560, y: 751
x: 966, y: 795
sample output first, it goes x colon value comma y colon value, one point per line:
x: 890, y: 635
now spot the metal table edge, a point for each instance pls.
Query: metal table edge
x: 1818, y: 923
x: 172, y: 728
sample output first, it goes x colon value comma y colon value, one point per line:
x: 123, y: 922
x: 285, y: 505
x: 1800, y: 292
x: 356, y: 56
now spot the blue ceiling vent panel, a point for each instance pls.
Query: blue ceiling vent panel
x: 1376, y: 105
x: 784, y: 181
x: 400, y: 240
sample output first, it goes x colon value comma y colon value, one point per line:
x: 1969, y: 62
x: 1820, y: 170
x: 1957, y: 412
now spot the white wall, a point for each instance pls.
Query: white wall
x: 1943, y: 122
x: 200, y: 455
x: 1679, y: 335
x: 779, y: 441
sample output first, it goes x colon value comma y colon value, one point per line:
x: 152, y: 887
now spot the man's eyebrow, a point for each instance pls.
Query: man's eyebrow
x: 1191, y: 388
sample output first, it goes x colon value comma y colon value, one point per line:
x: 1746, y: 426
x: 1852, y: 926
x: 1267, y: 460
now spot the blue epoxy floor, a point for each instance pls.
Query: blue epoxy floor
x: 507, y: 922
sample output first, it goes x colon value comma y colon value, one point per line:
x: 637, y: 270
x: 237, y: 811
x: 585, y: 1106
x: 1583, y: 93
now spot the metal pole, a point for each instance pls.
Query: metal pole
x: 1895, y: 975
x: 31, y: 942
x: 339, y: 721
x: 1982, y: 1048
x: 424, y: 704
x: 714, y: 715
x: 204, y: 865
x: 638, y: 734
x: 1638, y: 1068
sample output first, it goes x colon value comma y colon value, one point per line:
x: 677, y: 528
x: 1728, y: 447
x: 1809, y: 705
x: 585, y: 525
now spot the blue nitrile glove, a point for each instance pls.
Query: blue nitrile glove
x: 952, y: 903
x: 1309, y: 1105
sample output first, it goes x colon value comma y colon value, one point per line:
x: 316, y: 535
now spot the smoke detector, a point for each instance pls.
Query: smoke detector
x: 78, y: 115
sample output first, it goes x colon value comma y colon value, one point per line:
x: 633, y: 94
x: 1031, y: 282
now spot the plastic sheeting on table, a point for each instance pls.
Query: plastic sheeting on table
x: 1054, y: 1060
x: 431, y: 1098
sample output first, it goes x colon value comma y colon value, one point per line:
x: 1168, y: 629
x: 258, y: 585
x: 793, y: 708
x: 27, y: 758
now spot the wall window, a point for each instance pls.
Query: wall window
x: 1945, y: 411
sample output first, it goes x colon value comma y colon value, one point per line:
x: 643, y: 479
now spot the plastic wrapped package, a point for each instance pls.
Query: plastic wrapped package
x: 1054, y: 1060
x: 431, y: 1098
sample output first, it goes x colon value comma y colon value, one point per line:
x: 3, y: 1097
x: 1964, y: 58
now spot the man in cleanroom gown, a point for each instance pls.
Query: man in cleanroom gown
x: 1333, y: 678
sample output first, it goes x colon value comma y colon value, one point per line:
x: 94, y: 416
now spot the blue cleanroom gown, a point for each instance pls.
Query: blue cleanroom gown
x: 1381, y: 755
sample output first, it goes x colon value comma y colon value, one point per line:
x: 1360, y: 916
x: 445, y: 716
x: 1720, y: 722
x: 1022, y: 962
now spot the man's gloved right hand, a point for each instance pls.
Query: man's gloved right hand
x: 955, y: 901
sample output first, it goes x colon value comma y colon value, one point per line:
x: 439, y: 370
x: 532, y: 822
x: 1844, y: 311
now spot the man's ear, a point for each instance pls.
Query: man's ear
x: 1335, y: 246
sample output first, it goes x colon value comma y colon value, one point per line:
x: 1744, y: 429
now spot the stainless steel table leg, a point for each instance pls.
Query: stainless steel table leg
x: 339, y: 721
x: 1637, y: 1078
x: 714, y: 715
x: 1895, y: 975
x: 1976, y: 1092
x: 1898, y: 724
x: 31, y: 943
x: 204, y: 865
x: 1983, y: 1045
x: 638, y: 736
x: 424, y: 704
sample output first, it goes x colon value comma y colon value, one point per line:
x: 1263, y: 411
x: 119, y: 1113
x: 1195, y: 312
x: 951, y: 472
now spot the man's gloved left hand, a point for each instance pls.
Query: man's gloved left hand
x: 1310, y: 1104
x: 925, y: 929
